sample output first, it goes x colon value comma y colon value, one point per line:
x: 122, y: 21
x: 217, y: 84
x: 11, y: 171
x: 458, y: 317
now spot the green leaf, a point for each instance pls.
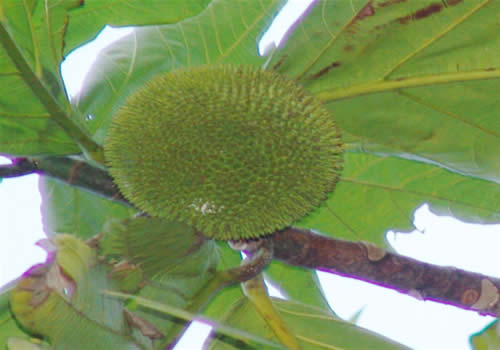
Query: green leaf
x: 380, y: 193
x: 228, y: 258
x: 177, y: 264
x: 66, y: 209
x: 291, y: 280
x: 155, y: 244
x: 417, y: 78
x: 188, y: 282
x: 35, y: 116
x: 160, y: 247
x: 88, y: 18
x: 226, y: 32
x: 313, y: 328
x: 169, y: 309
x: 62, y: 300
x: 487, y: 339
x: 22, y: 344
x: 32, y: 39
x: 38, y: 32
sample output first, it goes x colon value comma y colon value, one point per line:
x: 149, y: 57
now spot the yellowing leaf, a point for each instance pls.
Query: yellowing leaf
x: 61, y: 300
x: 487, y: 339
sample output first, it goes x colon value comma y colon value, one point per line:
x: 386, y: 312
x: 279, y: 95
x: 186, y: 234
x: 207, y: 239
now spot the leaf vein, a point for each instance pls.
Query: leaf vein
x: 428, y: 43
x: 329, y: 43
x: 203, y: 40
x: 246, y: 31
x: 449, y: 114
x: 165, y: 41
x: 214, y: 26
x: 356, y: 234
x: 315, y: 342
x: 416, y: 193
x: 186, y: 45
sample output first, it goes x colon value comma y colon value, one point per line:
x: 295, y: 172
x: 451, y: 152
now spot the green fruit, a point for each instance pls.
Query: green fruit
x: 235, y: 151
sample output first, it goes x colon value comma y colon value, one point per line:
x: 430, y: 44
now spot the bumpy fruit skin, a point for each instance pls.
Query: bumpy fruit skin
x: 235, y: 151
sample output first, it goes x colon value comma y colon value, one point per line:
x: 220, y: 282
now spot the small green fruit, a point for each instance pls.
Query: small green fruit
x: 235, y: 151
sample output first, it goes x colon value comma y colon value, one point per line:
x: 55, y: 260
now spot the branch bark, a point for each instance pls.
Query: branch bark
x: 19, y: 167
x: 80, y: 174
x: 360, y: 260
x: 68, y: 170
x: 365, y: 261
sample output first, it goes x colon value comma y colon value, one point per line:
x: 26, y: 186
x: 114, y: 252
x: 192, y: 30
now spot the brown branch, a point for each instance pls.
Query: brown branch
x: 80, y: 174
x: 19, y: 167
x: 360, y: 260
x: 68, y: 170
x: 367, y: 262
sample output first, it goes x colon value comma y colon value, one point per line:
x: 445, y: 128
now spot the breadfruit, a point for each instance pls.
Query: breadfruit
x: 236, y: 151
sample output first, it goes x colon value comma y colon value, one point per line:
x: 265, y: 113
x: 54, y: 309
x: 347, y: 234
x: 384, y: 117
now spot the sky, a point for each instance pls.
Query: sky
x: 438, y: 240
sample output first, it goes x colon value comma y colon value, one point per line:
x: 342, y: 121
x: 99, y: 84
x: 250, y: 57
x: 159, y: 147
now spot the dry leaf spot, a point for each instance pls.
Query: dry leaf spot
x: 453, y: 2
x: 280, y: 62
x: 422, y: 13
x: 325, y: 70
x: 366, y: 11
x: 390, y: 2
x: 146, y: 328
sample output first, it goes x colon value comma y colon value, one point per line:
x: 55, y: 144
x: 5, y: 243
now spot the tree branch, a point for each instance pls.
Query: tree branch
x: 360, y: 260
x: 68, y: 170
x: 80, y: 174
x: 367, y: 262
x: 19, y: 167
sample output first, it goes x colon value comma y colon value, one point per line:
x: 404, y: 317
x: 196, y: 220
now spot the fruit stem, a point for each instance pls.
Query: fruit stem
x: 260, y: 255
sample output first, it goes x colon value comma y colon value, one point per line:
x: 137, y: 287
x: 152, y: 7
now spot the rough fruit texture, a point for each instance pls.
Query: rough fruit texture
x: 235, y: 151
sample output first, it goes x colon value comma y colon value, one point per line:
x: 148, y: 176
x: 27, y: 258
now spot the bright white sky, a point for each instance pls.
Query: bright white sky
x: 440, y: 240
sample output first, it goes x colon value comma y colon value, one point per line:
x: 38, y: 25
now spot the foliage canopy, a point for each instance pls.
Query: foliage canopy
x: 412, y: 84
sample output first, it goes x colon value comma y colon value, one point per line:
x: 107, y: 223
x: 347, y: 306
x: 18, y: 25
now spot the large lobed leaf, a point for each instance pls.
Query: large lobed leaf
x: 66, y: 299
x: 87, y: 20
x: 62, y: 300
x: 407, y: 78
x: 376, y: 193
x: 33, y: 35
x: 358, y: 36
x: 226, y: 32
x: 417, y: 79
